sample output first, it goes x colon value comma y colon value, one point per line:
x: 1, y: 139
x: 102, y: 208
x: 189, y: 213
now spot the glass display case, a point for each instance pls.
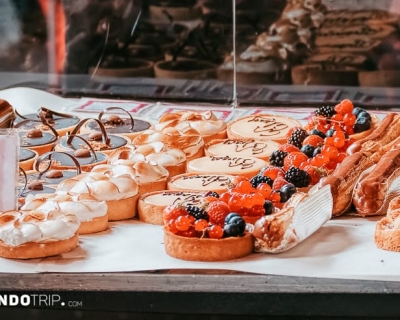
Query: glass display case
x: 288, y: 56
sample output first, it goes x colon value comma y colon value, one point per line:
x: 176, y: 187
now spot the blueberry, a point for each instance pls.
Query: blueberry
x: 318, y: 133
x: 356, y: 111
x: 308, y: 150
x: 364, y: 114
x: 235, y: 227
x: 231, y: 230
x: 268, y: 207
x: 362, y: 124
x: 287, y: 191
x: 330, y: 132
x: 316, y: 151
x: 231, y: 216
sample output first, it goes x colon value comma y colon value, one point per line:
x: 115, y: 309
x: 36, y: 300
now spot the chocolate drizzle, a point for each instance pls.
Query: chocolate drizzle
x: 183, y: 198
x: 240, y: 146
x: 269, y: 127
x: 209, y: 179
x: 244, y: 163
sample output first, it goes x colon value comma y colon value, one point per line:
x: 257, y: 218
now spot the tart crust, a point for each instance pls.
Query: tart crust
x: 97, y: 224
x: 33, y: 250
x: 196, y: 249
x: 122, y: 209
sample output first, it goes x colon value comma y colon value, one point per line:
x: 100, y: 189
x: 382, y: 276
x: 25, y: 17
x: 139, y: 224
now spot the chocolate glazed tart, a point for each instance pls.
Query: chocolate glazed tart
x: 126, y: 126
x: 27, y: 158
x: 61, y: 122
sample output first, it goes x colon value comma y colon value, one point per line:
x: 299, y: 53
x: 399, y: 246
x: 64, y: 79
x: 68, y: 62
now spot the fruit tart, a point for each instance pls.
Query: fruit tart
x: 31, y: 234
x: 117, y: 124
x: 211, y: 234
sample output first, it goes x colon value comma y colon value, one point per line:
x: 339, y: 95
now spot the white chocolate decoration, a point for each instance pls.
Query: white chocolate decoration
x: 84, y: 206
x: 241, y: 148
x: 225, y: 164
x: 19, y: 227
x: 171, y: 197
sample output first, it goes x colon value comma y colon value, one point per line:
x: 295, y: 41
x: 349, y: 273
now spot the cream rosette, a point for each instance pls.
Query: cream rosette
x: 113, y: 184
x: 206, y: 123
x: 186, y: 139
x: 29, y: 234
x: 172, y: 159
x: 91, y: 212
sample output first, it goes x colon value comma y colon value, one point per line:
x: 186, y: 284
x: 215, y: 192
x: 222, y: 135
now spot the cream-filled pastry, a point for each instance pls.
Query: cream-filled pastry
x: 34, y: 234
x: 241, y: 148
x: 172, y: 159
x: 206, y: 123
x: 91, y: 212
x: 246, y: 166
x: 116, y: 187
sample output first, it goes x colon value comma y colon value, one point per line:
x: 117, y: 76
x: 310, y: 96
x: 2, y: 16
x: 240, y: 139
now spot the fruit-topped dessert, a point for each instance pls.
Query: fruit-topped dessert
x: 211, y: 232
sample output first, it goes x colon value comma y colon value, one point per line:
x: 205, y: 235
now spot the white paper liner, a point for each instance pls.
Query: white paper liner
x: 308, y: 216
x: 392, y: 192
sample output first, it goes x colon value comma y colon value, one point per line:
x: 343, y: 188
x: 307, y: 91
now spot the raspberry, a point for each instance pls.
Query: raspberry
x: 217, y: 211
x: 288, y: 148
x: 294, y: 159
x: 197, y: 212
x: 297, y: 137
x: 325, y: 111
x: 279, y: 183
x: 298, y: 177
x: 273, y: 172
x: 256, y: 180
x: 277, y: 157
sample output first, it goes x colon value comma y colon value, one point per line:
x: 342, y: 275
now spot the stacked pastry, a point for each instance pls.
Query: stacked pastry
x: 285, y: 44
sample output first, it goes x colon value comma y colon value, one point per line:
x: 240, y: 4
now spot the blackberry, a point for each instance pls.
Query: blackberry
x: 277, y: 157
x: 297, y: 137
x: 325, y: 111
x: 298, y: 177
x: 197, y: 212
x: 212, y: 194
x: 256, y: 180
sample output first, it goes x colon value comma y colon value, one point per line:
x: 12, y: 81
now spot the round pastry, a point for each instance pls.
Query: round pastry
x: 241, y: 148
x: 206, y: 249
x: 201, y: 182
x: 148, y: 175
x: 38, y: 140
x: 98, y: 140
x: 206, y: 123
x: 91, y: 212
x: 174, y: 160
x: 111, y: 184
x: 151, y: 205
x: 187, y: 139
x: 27, y: 158
x: 185, y: 69
x: 246, y: 166
x: 61, y: 122
x: 263, y: 127
x: 114, y: 124
x: 35, y: 234
x: 85, y: 158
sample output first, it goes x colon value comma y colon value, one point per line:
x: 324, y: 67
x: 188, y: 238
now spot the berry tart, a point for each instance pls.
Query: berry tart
x: 241, y: 148
x: 35, y: 234
x: 113, y: 184
x: 152, y: 204
x: 247, y: 166
x: 91, y: 212
x: 206, y: 123
x: 262, y: 127
x: 172, y: 159
x: 200, y: 182
x: 210, y: 233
